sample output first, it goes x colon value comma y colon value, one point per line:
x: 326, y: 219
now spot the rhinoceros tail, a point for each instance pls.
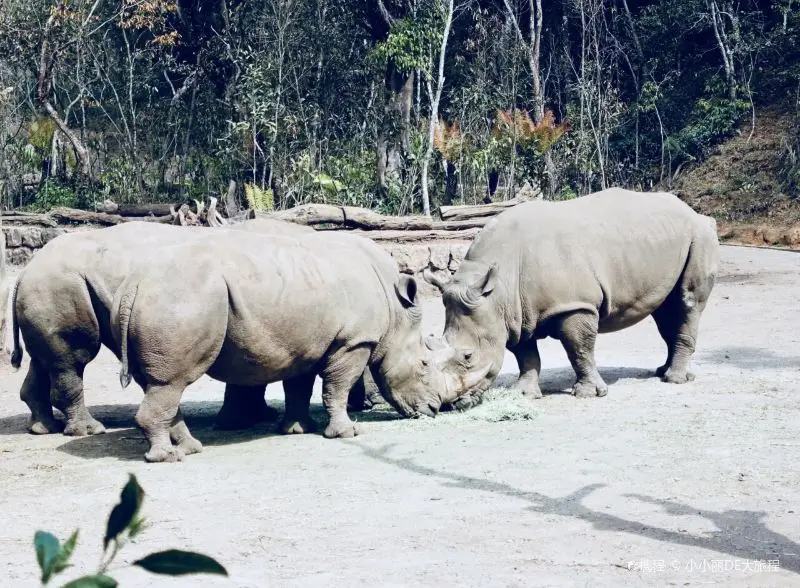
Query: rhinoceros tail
x: 16, y: 354
x: 123, y: 317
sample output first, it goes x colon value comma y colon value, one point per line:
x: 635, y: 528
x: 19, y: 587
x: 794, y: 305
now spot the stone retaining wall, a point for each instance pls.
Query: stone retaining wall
x: 22, y: 242
x: 412, y: 258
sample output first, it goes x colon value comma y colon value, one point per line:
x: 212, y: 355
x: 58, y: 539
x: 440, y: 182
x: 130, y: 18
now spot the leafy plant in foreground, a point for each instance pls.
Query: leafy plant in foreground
x: 124, y: 523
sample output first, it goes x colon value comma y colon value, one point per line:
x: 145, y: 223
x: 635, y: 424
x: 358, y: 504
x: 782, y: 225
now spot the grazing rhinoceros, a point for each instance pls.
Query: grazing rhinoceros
x: 248, y: 311
x: 570, y: 270
x: 61, y: 305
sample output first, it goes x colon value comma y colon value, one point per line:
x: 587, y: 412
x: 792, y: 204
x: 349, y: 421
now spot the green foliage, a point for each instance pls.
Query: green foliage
x: 258, y: 199
x: 410, y: 44
x: 124, y: 513
x: 713, y: 118
x: 123, y: 524
x: 175, y: 562
x: 53, y: 193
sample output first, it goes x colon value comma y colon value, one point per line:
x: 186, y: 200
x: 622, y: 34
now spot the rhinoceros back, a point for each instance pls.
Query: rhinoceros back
x: 617, y: 251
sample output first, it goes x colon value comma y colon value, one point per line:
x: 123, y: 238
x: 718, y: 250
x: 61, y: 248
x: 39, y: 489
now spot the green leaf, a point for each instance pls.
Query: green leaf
x: 61, y: 562
x: 175, y: 562
x: 98, y: 581
x: 125, y: 512
x: 137, y: 526
x: 47, y: 550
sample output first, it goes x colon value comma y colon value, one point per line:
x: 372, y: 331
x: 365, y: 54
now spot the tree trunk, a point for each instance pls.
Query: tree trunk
x: 451, y: 183
x: 434, y: 115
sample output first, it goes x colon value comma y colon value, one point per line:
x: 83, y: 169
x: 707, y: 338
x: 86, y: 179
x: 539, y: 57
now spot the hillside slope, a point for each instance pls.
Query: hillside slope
x: 740, y: 184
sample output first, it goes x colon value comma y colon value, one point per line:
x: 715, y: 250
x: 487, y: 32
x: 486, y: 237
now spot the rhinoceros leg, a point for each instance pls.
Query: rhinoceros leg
x: 157, y: 413
x: 343, y: 369
x: 678, y: 323
x: 365, y: 394
x: 578, y: 332
x: 530, y: 365
x: 35, y: 392
x: 297, y: 392
x: 244, y: 407
x: 67, y: 392
x: 179, y: 435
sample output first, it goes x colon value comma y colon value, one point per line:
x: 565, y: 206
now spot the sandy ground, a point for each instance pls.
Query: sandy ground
x: 654, y: 485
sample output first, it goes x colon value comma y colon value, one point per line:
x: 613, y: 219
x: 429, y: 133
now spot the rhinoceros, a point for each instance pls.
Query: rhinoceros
x: 573, y: 269
x: 61, y: 304
x: 248, y: 310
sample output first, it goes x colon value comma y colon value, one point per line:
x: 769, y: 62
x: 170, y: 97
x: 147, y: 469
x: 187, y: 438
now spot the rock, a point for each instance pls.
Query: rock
x: 457, y: 253
x: 411, y: 259
x: 440, y: 257
x: 13, y: 236
x: 19, y: 255
x: 32, y: 237
x: 50, y: 234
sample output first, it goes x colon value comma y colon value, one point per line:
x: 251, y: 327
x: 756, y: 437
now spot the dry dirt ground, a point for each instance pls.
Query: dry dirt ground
x: 654, y: 485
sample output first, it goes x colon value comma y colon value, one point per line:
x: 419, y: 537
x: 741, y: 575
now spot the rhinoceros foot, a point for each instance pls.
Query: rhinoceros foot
x: 341, y: 429
x: 673, y: 376
x: 160, y: 454
x: 80, y: 427
x: 298, y: 426
x: 589, y: 389
x: 45, y: 426
x: 528, y: 388
x: 183, y: 439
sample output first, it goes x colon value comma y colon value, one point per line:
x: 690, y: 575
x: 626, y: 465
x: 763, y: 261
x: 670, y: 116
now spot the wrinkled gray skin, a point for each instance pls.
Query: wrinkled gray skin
x: 61, y: 306
x: 570, y: 270
x: 256, y: 310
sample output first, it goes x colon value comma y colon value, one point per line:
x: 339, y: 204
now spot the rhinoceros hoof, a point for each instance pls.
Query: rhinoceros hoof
x: 190, y: 446
x: 45, y: 427
x: 341, y: 430
x: 298, y: 426
x: 589, y: 390
x: 82, y: 428
x: 529, y: 391
x: 164, y: 454
x: 676, y: 377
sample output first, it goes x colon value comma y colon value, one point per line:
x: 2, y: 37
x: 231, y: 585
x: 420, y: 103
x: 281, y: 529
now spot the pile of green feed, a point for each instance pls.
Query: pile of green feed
x: 497, y: 405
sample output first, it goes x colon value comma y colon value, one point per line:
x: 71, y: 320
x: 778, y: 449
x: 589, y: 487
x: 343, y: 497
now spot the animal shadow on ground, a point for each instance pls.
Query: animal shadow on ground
x: 127, y: 443
x: 561, y: 380
x: 749, y: 358
x: 741, y: 533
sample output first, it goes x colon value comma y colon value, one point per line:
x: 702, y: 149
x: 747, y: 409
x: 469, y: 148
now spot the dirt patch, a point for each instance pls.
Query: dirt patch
x: 653, y: 485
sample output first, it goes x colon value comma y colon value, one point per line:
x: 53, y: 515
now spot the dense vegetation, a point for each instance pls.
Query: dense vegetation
x: 334, y: 100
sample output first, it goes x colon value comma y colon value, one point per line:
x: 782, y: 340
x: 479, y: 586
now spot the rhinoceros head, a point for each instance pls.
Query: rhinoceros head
x: 410, y: 372
x: 475, y: 328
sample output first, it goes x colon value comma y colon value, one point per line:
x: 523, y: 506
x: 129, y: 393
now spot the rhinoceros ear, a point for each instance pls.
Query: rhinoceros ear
x: 485, y: 284
x: 406, y: 288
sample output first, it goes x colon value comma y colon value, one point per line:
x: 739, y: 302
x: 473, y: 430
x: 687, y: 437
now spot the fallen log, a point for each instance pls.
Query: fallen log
x: 29, y: 219
x: 469, y: 211
x: 153, y: 209
x: 350, y: 217
x: 405, y: 236
x: 308, y: 214
x: 361, y: 218
x: 73, y: 215
x: 457, y: 225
